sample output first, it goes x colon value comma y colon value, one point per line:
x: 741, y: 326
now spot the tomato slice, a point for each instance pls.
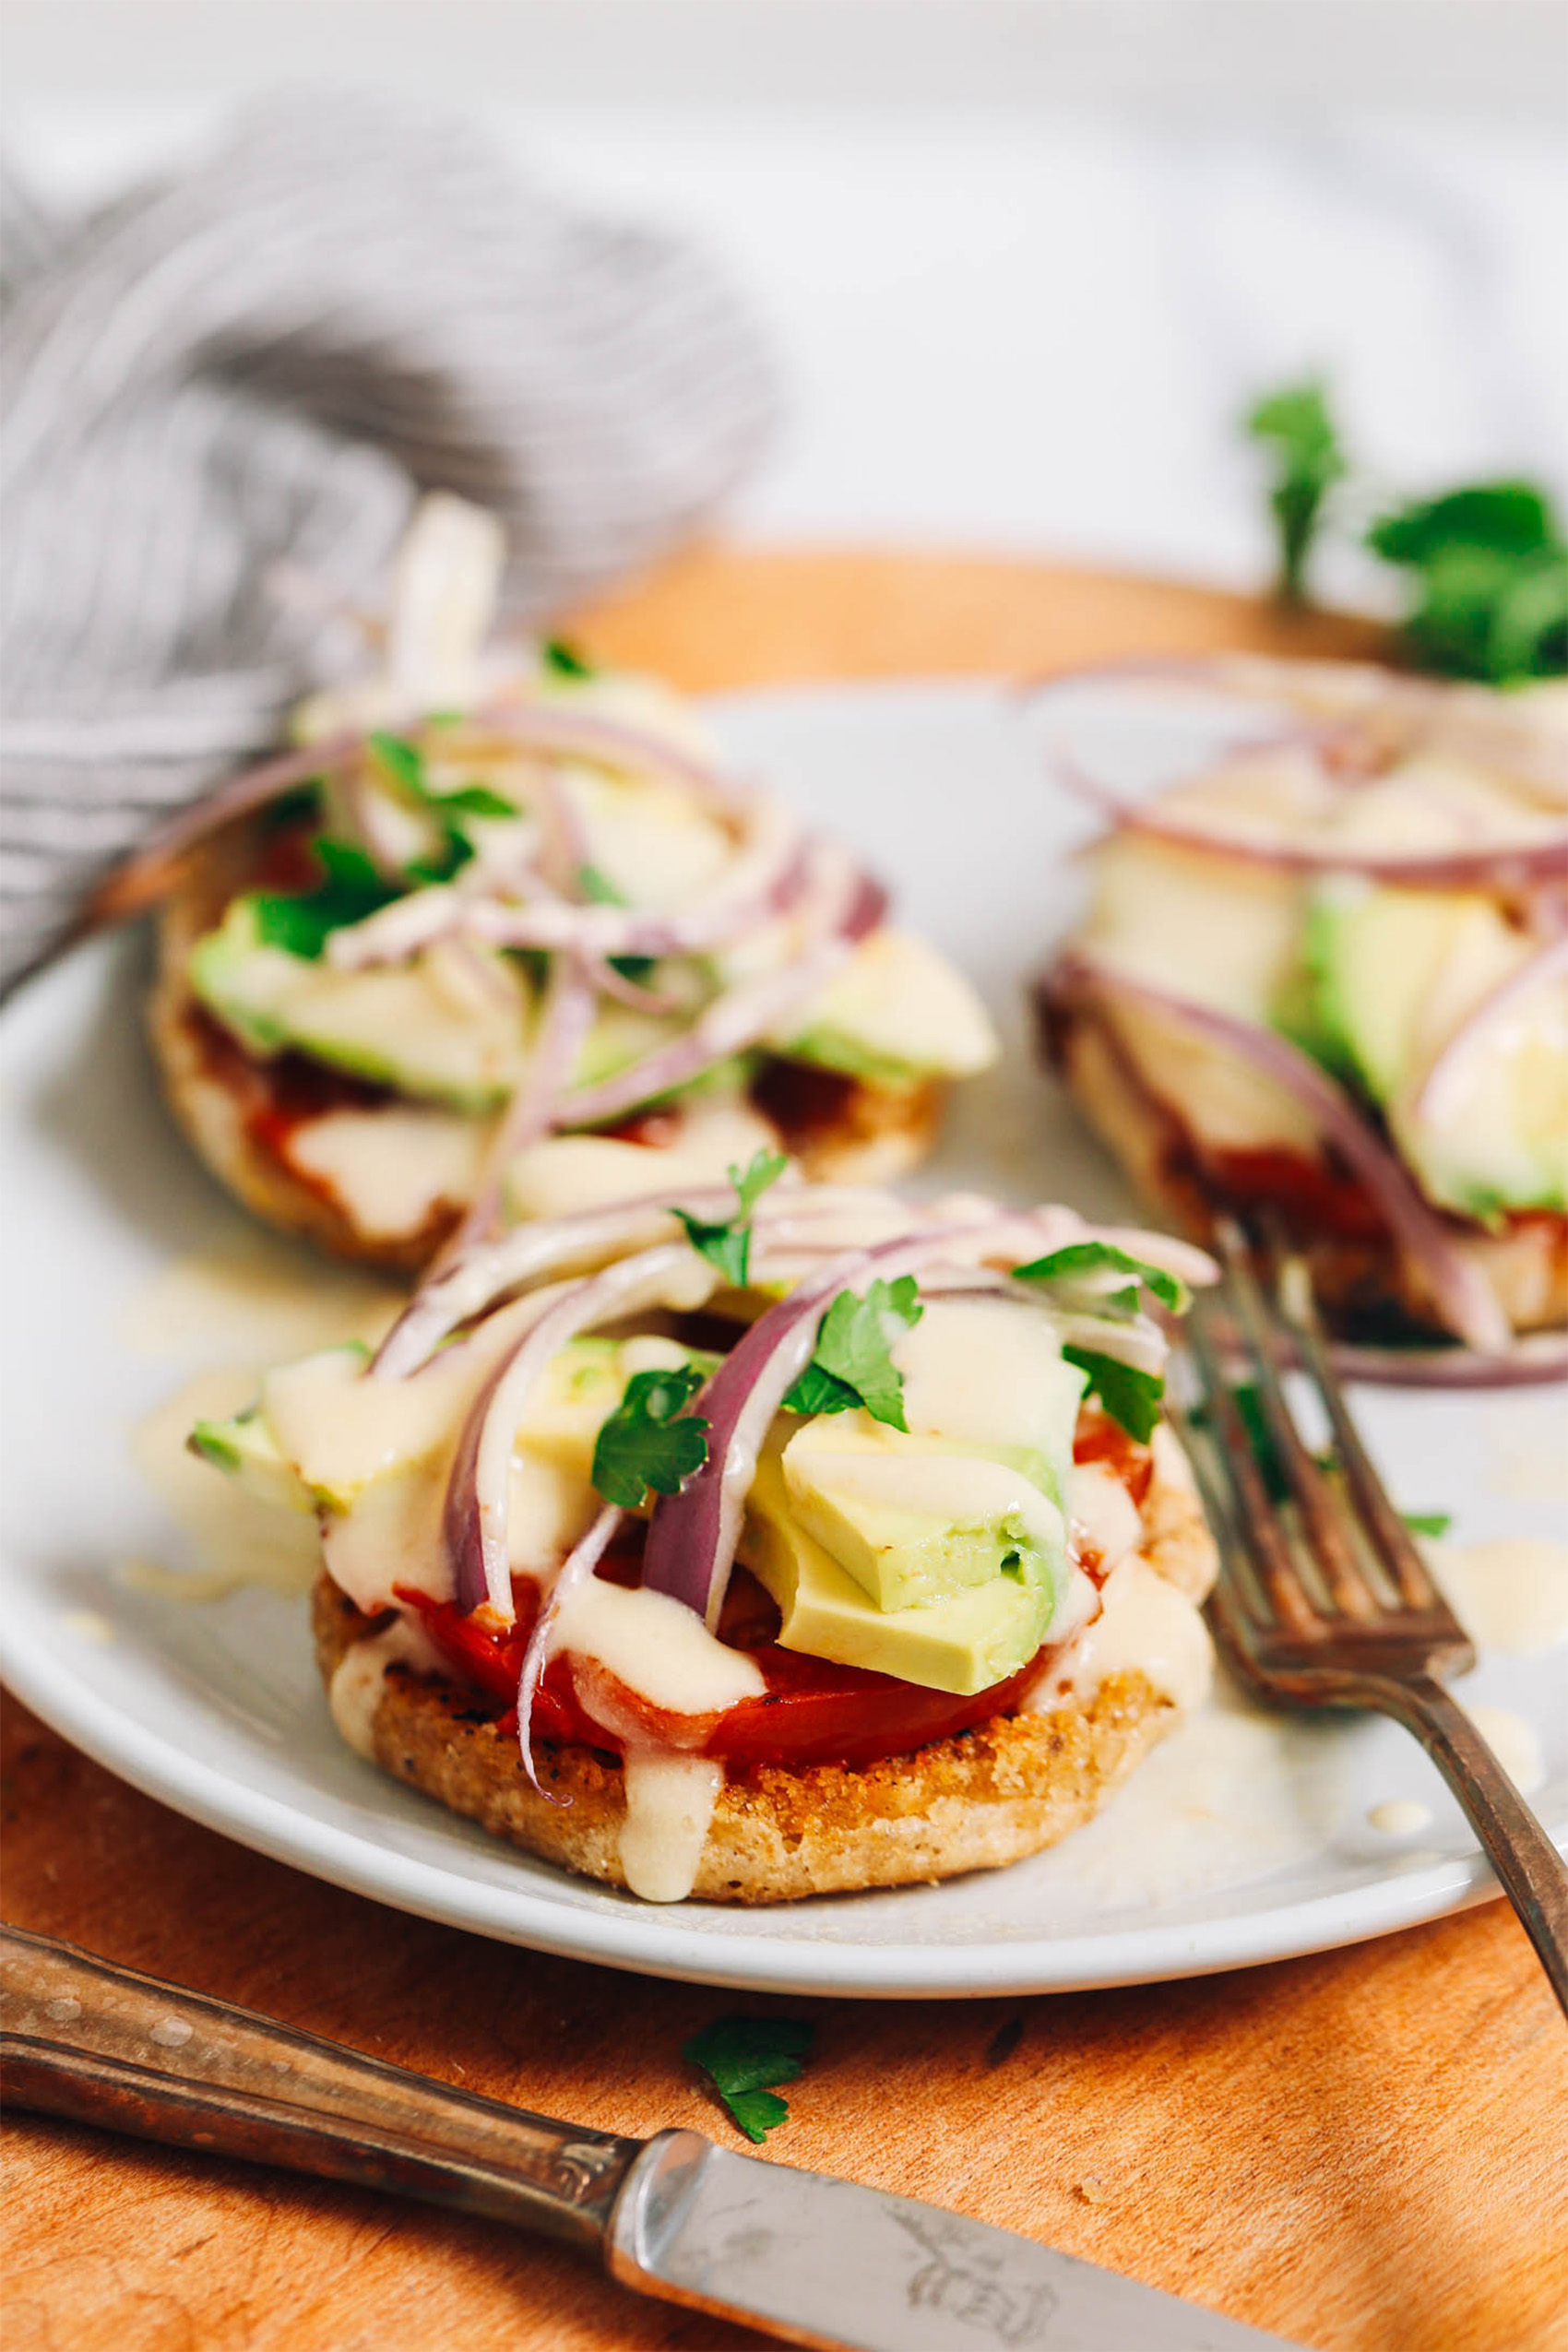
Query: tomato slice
x: 812, y: 1711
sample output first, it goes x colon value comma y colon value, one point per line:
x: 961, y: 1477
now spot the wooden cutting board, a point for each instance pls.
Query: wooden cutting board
x: 1367, y: 2152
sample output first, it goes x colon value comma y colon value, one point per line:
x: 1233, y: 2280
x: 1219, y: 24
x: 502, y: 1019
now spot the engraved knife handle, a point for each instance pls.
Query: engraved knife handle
x: 98, y: 2044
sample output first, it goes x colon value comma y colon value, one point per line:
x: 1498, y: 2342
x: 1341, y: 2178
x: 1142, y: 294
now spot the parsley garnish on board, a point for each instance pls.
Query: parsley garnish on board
x: 1295, y: 426
x: 1485, y: 566
x: 729, y: 1246
x: 649, y: 1443
x: 563, y: 660
x: 743, y: 2057
x: 852, y: 1363
x: 1078, y: 1258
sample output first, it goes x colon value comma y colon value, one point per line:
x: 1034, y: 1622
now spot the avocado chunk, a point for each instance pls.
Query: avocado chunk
x: 975, y: 1638
x: 1396, y: 975
x: 1371, y: 958
x: 424, y: 1027
x: 895, y: 1014
x: 245, y: 1449
x: 913, y: 1524
x: 1492, y: 1135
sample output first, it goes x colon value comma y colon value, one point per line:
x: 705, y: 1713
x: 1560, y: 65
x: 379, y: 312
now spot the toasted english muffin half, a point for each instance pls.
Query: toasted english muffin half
x: 1008, y: 1788
x: 1526, y: 1261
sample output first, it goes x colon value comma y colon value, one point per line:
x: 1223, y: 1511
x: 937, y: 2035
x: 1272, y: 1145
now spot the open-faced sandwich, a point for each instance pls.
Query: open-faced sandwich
x: 500, y: 938
x: 756, y: 1543
x: 1327, y: 975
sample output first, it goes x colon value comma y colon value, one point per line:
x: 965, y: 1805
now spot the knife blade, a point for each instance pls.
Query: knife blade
x: 824, y: 2262
x: 815, y: 2260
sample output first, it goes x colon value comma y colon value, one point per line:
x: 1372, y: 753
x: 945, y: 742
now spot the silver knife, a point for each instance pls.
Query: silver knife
x: 799, y: 2255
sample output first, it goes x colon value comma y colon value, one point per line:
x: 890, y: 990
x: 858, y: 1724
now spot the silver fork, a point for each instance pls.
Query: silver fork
x: 1340, y: 1609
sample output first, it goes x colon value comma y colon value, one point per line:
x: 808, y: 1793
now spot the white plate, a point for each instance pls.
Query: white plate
x: 1245, y: 1839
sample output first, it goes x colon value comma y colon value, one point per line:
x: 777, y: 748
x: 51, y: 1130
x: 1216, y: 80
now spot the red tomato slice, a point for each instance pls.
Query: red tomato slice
x: 812, y: 1712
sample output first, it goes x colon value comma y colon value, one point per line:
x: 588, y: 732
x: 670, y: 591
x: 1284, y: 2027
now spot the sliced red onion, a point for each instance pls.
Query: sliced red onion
x: 693, y: 1535
x: 1500, y: 866
x: 742, y: 1016
x: 766, y: 875
x: 565, y: 1018
x: 1548, y: 963
x: 604, y: 742
x: 574, y: 1570
x: 1465, y: 1300
x: 457, y: 1294
x: 478, y: 1505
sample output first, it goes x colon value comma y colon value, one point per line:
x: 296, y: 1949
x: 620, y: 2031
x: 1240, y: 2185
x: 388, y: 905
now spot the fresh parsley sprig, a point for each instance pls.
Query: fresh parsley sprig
x: 1295, y: 427
x: 852, y: 1362
x: 1130, y: 1396
x: 650, y: 1442
x: 302, y: 921
x: 729, y: 1245
x: 563, y: 660
x: 743, y: 2057
x: 1070, y: 1264
x: 1485, y: 567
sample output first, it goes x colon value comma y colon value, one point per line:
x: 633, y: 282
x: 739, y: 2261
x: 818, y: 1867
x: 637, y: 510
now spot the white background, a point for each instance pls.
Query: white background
x: 1023, y: 261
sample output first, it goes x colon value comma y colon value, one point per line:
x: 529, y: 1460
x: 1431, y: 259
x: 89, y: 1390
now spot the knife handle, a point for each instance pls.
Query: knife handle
x: 102, y: 2044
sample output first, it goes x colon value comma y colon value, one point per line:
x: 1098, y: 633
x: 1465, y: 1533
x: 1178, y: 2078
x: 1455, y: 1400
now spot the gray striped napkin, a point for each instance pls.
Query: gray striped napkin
x: 250, y: 373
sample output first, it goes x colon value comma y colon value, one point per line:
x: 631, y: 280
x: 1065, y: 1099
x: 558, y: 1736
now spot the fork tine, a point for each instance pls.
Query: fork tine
x: 1253, y: 1522
x: 1390, y: 1537
x: 1321, y: 1510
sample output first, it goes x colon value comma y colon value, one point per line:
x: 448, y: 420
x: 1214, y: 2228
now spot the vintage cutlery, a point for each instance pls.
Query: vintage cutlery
x: 1332, y: 1604
x: 813, y: 2260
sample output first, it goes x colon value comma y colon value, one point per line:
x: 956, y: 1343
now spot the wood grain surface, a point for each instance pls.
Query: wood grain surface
x: 1364, y: 2151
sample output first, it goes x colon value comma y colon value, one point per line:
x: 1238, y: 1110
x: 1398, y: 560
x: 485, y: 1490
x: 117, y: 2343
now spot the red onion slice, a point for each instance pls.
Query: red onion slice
x: 1464, y: 1298
x: 1545, y: 965
x: 565, y: 1018
x: 478, y: 1506
x: 693, y: 1535
x: 574, y: 1570
x: 766, y: 875
x: 1501, y: 866
x: 845, y: 902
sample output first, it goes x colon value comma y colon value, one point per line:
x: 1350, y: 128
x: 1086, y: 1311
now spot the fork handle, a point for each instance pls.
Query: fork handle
x: 1532, y: 1873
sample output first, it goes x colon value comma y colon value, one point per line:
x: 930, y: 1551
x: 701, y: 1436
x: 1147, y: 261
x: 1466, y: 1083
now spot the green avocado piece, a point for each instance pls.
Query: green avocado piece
x: 977, y: 1637
x: 1370, y: 956
x: 895, y: 1014
x: 914, y: 1522
x: 403, y: 1026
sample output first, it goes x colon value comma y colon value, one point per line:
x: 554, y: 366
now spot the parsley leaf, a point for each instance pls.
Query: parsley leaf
x: 300, y: 922
x: 1296, y: 426
x: 402, y: 761
x: 648, y: 1442
x: 563, y: 660
x: 1098, y: 1257
x: 743, y: 2056
x: 1130, y: 1396
x: 1428, y: 1522
x: 472, y: 800
x: 1489, y: 571
x: 729, y: 1246
x: 852, y: 1363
